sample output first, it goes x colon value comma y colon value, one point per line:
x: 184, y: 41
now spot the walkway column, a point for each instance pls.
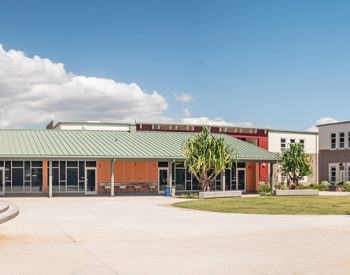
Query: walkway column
x: 271, y: 176
x: 50, y: 179
x: 112, y: 177
x: 223, y: 181
x: 170, y: 177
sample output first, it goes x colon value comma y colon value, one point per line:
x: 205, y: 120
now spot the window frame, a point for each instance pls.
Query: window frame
x: 342, y: 140
x: 333, y: 141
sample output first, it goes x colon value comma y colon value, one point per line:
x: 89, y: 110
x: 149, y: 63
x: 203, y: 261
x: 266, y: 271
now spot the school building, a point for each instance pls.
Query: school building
x: 90, y: 158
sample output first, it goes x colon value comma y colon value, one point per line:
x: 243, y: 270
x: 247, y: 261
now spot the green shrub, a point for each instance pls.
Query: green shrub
x: 302, y: 186
x: 189, y: 196
x: 281, y: 186
x: 346, y: 187
x: 264, y: 188
x: 316, y: 186
x: 325, y: 183
x: 284, y: 186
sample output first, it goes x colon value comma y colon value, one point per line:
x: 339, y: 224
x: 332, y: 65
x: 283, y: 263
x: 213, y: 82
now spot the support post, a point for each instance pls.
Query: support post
x: 271, y: 177
x: 170, y: 177
x: 223, y: 181
x: 50, y: 179
x: 112, y: 177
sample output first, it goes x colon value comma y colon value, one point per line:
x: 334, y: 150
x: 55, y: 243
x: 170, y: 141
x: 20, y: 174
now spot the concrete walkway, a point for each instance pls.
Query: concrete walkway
x: 142, y: 235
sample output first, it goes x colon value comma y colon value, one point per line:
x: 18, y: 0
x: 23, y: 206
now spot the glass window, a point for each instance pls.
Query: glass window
x: 227, y: 179
x: 180, y: 164
x: 233, y: 177
x: 302, y: 142
x: 62, y: 170
x: 91, y: 164
x: 188, y: 180
x: 63, y: 187
x: 218, y: 182
x: 333, y: 140
x: 180, y: 179
x: 195, y: 183
x: 82, y: 186
x: 8, y: 186
x: 72, y: 164
x: 55, y: 164
x: 72, y: 179
x: 341, y: 140
x: 349, y: 139
x: 162, y: 164
x: 241, y: 165
x: 333, y: 174
x: 292, y: 140
x: 55, y: 179
x: 37, y: 179
x: 283, y: 144
x: 82, y: 170
x: 27, y: 171
x: 38, y: 164
x: 17, y: 180
x: 27, y: 186
x: 1, y: 164
x: 17, y: 164
x: 8, y: 170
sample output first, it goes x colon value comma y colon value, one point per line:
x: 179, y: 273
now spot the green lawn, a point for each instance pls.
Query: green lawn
x: 273, y: 205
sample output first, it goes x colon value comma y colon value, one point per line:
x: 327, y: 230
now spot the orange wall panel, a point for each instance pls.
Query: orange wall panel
x: 119, y: 171
x: 153, y: 171
x: 103, y: 171
x: 251, y: 176
x: 45, y: 176
x: 128, y: 171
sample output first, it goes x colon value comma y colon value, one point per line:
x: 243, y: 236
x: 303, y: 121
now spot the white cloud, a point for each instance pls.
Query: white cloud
x: 183, y: 97
x: 323, y: 120
x: 35, y: 90
x: 215, y: 121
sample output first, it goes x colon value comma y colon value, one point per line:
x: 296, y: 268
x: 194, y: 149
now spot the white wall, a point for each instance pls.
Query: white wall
x: 310, y: 146
x: 310, y: 141
x: 326, y: 131
x: 101, y: 126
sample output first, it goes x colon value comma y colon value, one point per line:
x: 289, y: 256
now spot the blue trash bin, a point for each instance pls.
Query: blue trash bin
x: 167, y: 191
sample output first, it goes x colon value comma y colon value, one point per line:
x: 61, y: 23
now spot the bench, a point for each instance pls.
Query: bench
x: 219, y: 194
x: 136, y: 186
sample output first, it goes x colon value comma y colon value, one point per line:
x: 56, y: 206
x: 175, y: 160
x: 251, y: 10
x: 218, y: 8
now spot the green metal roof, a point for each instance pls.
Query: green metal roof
x: 80, y: 144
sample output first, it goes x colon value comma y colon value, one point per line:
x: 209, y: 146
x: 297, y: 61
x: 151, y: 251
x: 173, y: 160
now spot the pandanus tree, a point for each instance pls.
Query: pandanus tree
x: 295, y: 164
x: 206, y: 157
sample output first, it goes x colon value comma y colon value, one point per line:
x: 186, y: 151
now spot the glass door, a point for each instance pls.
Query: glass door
x: 241, y: 179
x: 2, y: 181
x: 162, y: 179
x: 90, y: 181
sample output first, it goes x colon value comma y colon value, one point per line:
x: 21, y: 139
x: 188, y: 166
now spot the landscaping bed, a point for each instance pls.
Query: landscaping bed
x: 325, y: 205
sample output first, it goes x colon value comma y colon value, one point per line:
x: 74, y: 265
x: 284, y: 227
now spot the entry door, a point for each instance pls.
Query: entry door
x: 162, y: 179
x: 90, y: 181
x: 241, y: 179
x: 2, y: 181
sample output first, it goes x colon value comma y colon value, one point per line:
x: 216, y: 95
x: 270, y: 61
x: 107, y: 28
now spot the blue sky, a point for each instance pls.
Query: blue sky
x: 282, y: 64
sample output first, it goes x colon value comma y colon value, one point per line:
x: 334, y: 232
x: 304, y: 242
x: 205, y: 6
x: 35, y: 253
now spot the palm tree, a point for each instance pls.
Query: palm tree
x: 206, y: 157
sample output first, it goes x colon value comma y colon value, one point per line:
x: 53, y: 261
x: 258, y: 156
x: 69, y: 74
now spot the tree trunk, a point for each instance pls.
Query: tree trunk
x: 204, y: 181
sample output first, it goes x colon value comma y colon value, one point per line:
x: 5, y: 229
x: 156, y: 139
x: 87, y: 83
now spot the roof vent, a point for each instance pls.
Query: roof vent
x: 132, y: 128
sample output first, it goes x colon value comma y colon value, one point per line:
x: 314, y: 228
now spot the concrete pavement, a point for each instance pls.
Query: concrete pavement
x: 144, y: 235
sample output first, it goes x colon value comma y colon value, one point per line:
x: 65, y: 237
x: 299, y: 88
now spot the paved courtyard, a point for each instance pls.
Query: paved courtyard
x: 144, y: 235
